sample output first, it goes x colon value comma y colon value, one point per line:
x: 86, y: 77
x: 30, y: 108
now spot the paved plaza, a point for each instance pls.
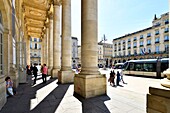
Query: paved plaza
x: 59, y: 98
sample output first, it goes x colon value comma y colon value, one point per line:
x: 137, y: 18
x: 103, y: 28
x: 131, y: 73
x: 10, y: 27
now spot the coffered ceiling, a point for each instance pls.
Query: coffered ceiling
x: 35, y: 15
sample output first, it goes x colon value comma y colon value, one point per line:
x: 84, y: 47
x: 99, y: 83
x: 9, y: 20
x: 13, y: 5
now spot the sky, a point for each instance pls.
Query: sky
x: 119, y: 17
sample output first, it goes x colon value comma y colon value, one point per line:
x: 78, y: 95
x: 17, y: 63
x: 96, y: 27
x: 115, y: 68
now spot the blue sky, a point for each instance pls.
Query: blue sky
x: 119, y: 17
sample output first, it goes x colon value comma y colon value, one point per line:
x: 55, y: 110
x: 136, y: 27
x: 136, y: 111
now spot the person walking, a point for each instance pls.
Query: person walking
x: 35, y: 70
x: 121, y: 76
x: 117, y: 78
x: 44, y: 73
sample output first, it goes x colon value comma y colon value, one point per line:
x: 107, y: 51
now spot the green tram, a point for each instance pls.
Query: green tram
x: 146, y: 67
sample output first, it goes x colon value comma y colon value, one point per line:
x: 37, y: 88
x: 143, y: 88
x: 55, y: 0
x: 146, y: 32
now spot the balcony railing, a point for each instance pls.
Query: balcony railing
x: 156, y: 42
x: 166, y: 40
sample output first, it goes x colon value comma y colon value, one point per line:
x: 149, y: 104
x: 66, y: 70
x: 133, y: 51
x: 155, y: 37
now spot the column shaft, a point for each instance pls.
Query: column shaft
x: 66, y: 36
x: 84, y: 84
x: 28, y: 50
x: 45, y: 49
x: 47, y: 42
x: 50, y: 47
x: 42, y: 51
x: 89, y: 28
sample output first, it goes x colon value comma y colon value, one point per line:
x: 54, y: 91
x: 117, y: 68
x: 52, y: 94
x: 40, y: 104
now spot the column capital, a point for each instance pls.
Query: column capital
x: 57, y: 2
x: 50, y: 15
x: 47, y: 24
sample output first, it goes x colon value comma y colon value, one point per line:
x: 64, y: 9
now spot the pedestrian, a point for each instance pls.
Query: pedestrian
x: 9, y: 87
x: 35, y: 70
x: 111, y: 79
x: 117, y: 78
x: 44, y: 73
x: 121, y: 76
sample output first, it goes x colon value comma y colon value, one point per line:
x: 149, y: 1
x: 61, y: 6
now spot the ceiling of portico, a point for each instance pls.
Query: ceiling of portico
x: 35, y: 16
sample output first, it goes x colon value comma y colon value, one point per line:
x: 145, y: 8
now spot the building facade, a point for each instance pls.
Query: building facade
x: 35, y: 50
x: 105, y: 51
x: 152, y: 42
x: 74, y: 52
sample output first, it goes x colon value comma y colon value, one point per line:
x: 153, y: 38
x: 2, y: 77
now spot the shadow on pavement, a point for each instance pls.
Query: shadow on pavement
x: 94, y: 104
x: 21, y: 102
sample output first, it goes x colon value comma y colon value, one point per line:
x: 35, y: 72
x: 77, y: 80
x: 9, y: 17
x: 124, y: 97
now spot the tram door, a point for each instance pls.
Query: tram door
x: 21, y: 61
x: 158, y: 68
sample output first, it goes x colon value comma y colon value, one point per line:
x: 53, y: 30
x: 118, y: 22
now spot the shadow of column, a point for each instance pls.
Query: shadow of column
x: 94, y: 104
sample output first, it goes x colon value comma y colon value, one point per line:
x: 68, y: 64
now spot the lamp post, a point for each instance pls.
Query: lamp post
x: 104, y: 63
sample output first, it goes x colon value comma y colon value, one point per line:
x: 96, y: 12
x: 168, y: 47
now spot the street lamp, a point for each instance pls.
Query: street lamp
x: 104, y: 39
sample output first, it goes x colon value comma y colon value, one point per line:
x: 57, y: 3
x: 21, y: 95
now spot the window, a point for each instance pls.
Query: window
x: 129, y: 52
x: 166, y: 21
x: 134, y: 44
x: 134, y: 39
x: 156, y: 32
x: 135, y: 52
x: 141, y: 43
x: 166, y: 38
x: 166, y: 48
x: 123, y: 41
x: 35, y: 46
x: 31, y: 46
x: 150, y: 67
x: 166, y: 30
x: 148, y: 34
x: 149, y: 50
x: 1, y: 53
x: 157, y: 49
x: 148, y: 42
x: 35, y: 39
x: 141, y: 36
x: 129, y: 40
x: 157, y: 40
x: 138, y: 67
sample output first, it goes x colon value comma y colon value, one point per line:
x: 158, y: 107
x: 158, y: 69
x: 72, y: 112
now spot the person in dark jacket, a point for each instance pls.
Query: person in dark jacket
x: 35, y: 70
x: 118, y: 78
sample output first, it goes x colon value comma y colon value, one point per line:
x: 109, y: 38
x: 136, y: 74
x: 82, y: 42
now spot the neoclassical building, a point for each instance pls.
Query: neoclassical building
x: 151, y: 42
x: 22, y: 19
x: 35, y: 50
x: 74, y: 52
x: 105, y: 51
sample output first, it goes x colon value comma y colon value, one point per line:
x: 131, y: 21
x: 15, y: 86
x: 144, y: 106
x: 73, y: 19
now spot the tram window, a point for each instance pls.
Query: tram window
x: 131, y: 66
x: 139, y: 67
x: 164, y: 66
x: 125, y: 66
x: 150, y: 67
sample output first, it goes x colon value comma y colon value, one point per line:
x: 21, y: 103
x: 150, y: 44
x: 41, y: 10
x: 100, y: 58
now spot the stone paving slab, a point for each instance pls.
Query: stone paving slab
x: 58, y: 98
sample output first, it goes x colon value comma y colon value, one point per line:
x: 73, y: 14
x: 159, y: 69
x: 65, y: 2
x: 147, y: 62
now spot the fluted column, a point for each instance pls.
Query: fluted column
x: 89, y: 57
x: 56, y: 40
x: 66, y: 74
x: 50, y: 44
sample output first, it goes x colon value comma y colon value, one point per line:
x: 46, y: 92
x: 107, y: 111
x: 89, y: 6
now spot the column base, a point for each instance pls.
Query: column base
x: 55, y: 73
x: 90, y: 85
x: 66, y: 77
x: 50, y: 71
x: 165, y: 82
x: 158, y: 100
x: 22, y: 75
x: 13, y: 73
x: 3, y: 98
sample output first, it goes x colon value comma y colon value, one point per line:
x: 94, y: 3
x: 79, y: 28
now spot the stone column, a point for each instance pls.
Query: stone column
x: 47, y: 41
x: 50, y: 44
x: 28, y: 50
x: 56, y: 40
x: 6, y: 58
x: 45, y: 48
x: 84, y: 84
x: 66, y: 75
x: 42, y: 50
